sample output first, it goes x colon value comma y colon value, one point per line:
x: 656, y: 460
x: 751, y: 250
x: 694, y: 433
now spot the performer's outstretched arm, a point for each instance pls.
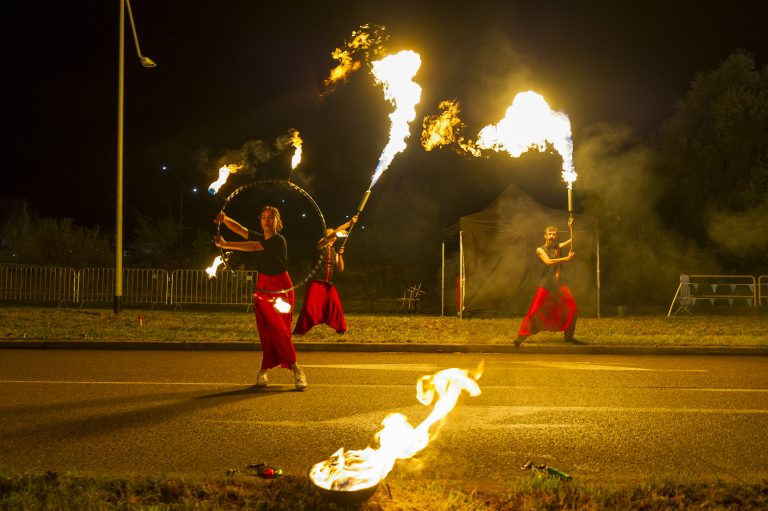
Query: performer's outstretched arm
x: 232, y: 224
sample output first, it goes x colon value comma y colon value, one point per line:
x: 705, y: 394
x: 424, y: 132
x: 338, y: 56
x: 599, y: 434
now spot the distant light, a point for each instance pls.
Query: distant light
x: 194, y: 189
x: 164, y: 168
x: 303, y: 215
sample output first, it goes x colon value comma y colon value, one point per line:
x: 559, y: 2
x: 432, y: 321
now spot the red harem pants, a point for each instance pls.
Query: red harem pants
x: 274, y: 327
x: 550, y: 312
x: 321, y: 305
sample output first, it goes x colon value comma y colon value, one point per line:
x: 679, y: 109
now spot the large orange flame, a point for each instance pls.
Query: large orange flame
x: 395, y: 73
x: 358, y: 469
x: 445, y: 128
x: 529, y: 123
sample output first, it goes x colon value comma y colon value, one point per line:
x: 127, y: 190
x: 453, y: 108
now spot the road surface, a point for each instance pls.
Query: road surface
x: 597, y: 417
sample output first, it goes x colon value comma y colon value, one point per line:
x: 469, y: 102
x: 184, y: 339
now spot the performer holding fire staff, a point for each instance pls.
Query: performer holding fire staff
x: 271, y: 256
x: 553, y: 307
x: 321, y: 301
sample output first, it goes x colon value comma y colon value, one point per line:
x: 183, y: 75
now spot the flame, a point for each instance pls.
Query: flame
x: 358, y: 469
x: 530, y: 123
x: 445, y: 128
x: 282, y: 306
x: 364, y: 41
x: 224, y: 173
x: 395, y: 73
x: 211, y: 270
x: 296, y: 143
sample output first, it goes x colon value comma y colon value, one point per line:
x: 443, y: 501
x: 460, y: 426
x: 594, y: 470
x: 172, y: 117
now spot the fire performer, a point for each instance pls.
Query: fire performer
x: 274, y: 283
x: 553, y: 307
x: 321, y: 301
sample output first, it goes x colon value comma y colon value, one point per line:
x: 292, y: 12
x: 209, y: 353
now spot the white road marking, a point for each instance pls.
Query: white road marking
x: 589, y: 366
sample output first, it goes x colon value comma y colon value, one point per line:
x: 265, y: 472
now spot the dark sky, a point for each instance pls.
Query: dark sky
x: 233, y: 71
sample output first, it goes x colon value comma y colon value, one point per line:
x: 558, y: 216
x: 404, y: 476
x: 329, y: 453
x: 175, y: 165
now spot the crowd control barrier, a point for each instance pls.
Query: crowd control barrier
x: 713, y: 290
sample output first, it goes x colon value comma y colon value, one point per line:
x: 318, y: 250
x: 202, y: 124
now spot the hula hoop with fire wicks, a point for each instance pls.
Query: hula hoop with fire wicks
x: 301, y: 228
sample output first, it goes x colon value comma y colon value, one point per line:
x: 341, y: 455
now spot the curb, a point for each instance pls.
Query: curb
x: 342, y: 347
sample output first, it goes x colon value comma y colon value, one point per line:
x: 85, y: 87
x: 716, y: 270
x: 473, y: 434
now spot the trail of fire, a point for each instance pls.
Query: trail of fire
x: 353, y: 470
x: 395, y: 73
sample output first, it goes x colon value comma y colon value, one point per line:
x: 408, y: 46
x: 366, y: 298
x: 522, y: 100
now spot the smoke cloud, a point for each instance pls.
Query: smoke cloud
x: 640, y: 260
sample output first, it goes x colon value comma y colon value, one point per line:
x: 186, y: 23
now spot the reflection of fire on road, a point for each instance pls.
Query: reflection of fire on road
x: 355, y: 470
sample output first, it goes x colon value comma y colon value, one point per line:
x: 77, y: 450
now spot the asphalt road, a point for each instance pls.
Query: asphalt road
x: 597, y: 417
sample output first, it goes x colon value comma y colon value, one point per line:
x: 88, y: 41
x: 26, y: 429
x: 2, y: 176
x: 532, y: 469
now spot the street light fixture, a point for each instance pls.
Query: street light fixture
x: 145, y: 62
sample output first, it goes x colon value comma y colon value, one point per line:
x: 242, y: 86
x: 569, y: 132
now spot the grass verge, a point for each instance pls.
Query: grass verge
x: 53, y: 490
x: 49, y: 324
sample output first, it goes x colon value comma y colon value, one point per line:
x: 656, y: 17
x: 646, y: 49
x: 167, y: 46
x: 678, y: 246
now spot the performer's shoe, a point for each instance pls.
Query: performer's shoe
x: 519, y: 340
x: 261, y: 379
x: 573, y: 340
x: 300, y: 379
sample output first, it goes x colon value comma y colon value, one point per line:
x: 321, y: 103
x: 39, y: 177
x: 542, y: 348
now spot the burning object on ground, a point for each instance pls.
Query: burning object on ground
x: 354, y: 475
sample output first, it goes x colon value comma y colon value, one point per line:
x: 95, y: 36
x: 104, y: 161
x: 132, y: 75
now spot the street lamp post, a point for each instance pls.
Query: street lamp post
x: 145, y: 62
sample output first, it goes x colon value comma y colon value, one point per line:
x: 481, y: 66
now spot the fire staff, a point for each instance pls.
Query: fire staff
x: 553, y: 307
x: 271, y: 256
x: 321, y: 301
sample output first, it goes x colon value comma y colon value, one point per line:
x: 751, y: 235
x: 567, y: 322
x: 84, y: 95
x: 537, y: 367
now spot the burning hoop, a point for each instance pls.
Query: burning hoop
x: 293, y: 218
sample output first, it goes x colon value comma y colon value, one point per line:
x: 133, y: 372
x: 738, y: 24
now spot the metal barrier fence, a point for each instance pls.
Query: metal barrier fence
x: 37, y: 283
x: 195, y: 287
x: 762, y: 290
x: 140, y: 286
x: 714, y: 290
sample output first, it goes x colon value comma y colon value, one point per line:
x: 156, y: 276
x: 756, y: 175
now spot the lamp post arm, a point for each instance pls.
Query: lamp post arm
x: 145, y: 61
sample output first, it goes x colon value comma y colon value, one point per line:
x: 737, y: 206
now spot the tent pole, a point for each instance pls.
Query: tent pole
x: 598, y: 274
x: 461, y: 274
x: 442, y: 282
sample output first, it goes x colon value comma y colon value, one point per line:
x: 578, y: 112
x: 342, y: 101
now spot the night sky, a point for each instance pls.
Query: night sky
x: 234, y: 71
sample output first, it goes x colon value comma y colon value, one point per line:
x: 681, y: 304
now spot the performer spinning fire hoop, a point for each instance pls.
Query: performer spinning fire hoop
x: 321, y: 301
x: 274, y: 284
x: 553, y: 307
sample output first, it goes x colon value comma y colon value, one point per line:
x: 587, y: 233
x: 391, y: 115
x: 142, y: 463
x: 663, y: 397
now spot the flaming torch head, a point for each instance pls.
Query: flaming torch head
x: 224, y: 173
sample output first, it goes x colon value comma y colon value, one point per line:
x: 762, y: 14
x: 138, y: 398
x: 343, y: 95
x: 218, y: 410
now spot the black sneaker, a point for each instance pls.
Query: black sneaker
x: 573, y: 340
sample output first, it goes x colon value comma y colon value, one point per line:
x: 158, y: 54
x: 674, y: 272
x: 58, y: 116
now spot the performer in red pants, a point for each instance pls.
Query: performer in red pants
x: 553, y: 307
x: 321, y: 301
x: 273, y: 289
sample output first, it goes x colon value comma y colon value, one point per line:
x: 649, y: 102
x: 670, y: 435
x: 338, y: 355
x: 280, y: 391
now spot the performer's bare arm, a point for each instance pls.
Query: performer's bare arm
x: 343, y: 227
x: 242, y: 246
x: 232, y: 224
x: 340, y: 260
x: 551, y: 261
x: 568, y: 242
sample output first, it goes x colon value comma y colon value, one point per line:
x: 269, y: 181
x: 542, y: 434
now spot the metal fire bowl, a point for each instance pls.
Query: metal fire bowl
x: 345, y: 497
